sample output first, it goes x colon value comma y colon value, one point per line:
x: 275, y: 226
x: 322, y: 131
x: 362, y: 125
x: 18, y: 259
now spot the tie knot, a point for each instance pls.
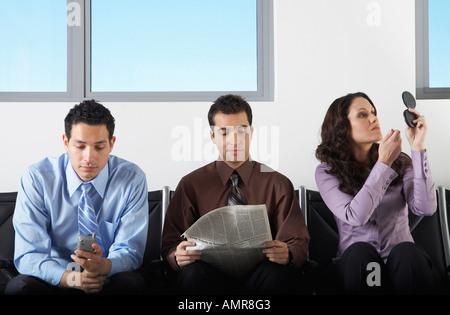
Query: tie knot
x: 234, y: 179
x: 86, y: 187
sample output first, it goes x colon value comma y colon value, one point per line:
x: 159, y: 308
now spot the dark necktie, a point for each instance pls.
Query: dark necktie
x: 87, y: 219
x: 236, y: 195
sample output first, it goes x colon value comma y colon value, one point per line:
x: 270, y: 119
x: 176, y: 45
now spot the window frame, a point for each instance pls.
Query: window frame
x: 79, y: 76
x: 423, y: 89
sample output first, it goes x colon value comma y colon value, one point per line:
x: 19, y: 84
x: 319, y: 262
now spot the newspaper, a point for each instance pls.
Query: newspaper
x: 231, y: 238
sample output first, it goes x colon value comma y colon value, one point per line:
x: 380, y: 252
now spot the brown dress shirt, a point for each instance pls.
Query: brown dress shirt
x: 208, y: 188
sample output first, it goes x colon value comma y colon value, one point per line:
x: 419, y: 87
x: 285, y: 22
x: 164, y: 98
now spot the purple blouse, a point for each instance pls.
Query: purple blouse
x: 378, y: 214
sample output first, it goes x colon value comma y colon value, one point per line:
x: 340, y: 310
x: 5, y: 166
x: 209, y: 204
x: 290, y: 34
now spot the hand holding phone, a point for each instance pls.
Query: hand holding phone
x: 85, y: 242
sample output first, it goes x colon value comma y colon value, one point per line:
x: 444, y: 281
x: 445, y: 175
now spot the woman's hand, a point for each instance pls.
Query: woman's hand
x: 416, y: 136
x: 390, y: 148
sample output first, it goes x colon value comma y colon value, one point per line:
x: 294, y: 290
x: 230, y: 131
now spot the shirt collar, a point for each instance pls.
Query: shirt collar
x: 244, y: 171
x: 99, y: 182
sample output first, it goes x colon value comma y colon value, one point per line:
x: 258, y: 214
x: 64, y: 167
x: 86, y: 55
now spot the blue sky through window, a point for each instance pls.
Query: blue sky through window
x: 33, y: 50
x: 439, y: 43
x: 173, y: 45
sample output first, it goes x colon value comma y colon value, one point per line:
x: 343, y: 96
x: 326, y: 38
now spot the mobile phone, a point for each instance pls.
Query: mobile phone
x: 85, y: 242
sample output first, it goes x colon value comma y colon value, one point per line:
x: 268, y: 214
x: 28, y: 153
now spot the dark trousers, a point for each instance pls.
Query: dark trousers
x: 408, y: 270
x: 131, y: 282
x: 266, y: 278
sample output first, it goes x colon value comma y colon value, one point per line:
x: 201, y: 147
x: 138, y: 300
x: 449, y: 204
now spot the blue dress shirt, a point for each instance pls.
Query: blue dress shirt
x: 46, y: 216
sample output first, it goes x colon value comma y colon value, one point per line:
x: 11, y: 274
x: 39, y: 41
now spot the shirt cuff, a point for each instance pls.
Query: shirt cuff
x: 55, y: 274
x: 116, y: 266
x: 173, y: 261
x: 421, y: 165
x: 381, y: 177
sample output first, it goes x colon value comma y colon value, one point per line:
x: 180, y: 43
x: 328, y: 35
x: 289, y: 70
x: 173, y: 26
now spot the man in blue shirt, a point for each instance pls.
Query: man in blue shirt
x: 46, y: 214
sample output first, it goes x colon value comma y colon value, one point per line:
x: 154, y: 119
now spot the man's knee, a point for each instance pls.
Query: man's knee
x: 24, y: 284
x: 128, y: 282
x: 201, y: 277
x: 272, y: 278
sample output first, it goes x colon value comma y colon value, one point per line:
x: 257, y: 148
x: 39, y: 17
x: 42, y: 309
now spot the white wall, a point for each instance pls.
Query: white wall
x: 323, y: 49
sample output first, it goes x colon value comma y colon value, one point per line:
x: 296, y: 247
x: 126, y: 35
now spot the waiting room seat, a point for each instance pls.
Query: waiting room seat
x: 429, y: 232
x: 153, y: 268
x: 322, y: 228
x: 7, y: 269
x: 158, y: 201
x: 444, y: 205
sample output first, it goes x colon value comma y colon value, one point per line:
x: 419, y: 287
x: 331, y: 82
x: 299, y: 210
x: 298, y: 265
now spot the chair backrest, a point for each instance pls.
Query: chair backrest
x: 427, y: 231
x: 444, y: 205
x: 322, y: 228
x: 158, y: 201
x: 7, y: 204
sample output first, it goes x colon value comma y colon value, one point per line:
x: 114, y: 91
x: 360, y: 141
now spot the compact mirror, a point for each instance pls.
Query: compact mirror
x: 410, y: 102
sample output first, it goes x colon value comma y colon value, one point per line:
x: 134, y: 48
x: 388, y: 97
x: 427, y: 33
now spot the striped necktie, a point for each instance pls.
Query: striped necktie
x: 87, y: 219
x: 236, y: 195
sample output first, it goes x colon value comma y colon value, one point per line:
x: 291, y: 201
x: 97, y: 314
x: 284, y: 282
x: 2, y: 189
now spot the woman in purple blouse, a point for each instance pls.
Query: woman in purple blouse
x: 368, y: 184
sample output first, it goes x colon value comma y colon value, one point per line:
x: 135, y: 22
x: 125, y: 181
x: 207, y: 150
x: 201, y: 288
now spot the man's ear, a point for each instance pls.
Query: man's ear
x: 213, y: 138
x: 111, y: 143
x: 66, y: 142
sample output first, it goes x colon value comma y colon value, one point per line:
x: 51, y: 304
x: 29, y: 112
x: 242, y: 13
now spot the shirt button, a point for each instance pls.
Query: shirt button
x: 384, y: 187
x: 375, y: 243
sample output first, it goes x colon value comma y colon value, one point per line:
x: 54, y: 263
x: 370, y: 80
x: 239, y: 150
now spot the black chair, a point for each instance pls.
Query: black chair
x: 7, y: 269
x: 444, y: 205
x: 322, y: 228
x: 158, y: 202
x: 153, y: 267
x: 431, y: 233
x: 323, y: 246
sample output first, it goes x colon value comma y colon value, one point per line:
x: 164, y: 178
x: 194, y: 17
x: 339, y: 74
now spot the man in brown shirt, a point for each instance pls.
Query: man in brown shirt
x: 209, y: 187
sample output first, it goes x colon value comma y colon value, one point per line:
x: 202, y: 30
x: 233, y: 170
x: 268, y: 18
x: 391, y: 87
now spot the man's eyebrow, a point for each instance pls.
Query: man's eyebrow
x: 84, y: 142
x: 239, y: 126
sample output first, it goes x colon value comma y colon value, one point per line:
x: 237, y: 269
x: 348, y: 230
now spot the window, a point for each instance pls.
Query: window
x: 432, y: 49
x: 33, y: 53
x: 136, y: 50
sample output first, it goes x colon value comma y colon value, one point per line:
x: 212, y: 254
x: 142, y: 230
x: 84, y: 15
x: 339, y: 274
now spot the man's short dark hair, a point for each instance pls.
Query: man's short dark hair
x: 91, y: 113
x: 229, y: 104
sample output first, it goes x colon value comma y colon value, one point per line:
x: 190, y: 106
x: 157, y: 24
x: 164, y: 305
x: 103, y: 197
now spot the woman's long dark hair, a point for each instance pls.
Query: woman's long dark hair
x: 336, y: 151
